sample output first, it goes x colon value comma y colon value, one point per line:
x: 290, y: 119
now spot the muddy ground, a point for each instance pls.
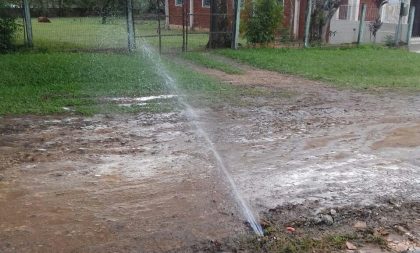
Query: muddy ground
x: 303, y: 154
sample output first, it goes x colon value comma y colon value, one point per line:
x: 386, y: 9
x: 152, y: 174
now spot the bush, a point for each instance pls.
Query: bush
x: 8, y: 28
x: 262, y: 24
x: 389, y: 41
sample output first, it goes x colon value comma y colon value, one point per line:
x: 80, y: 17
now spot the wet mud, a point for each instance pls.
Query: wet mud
x: 147, y: 183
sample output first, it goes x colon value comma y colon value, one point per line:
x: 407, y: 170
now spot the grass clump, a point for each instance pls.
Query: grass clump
x: 209, y: 61
x: 364, y: 67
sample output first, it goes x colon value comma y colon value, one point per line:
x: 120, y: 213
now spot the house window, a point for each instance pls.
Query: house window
x: 179, y: 2
x: 205, y: 3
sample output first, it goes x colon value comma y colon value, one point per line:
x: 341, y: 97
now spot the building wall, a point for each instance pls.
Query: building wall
x: 175, y: 12
x: 288, y: 19
x: 302, y: 17
x: 201, y: 15
x: 288, y: 10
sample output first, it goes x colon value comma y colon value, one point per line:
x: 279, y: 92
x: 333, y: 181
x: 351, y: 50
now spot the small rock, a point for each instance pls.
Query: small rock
x: 82, y: 150
x: 291, y: 229
x: 401, y: 247
x: 327, y: 219
x: 381, y: 232
x: 57, y: 174
x: 333, y: 212
x: 401, y: 229
x: 415, y: 250
x: 351, y: 246
x: 1, y: 178
x: 360, y: 225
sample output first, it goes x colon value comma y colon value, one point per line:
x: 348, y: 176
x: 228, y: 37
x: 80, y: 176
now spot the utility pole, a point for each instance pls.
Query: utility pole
x: 361, y: 25
x: 130, y: 26
x: 28, y: 23
x: 410, y: 24
x: 236, y: 26
x: 308, y: 23
x: 398, y: 30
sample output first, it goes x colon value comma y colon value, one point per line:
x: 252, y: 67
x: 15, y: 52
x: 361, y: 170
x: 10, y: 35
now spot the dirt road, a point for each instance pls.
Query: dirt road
x: 147, y: 183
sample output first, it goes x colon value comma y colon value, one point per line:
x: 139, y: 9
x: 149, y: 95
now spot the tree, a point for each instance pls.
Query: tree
x: 264, y: 21
x: 8, y: 28
x: 377, y: 23
x: 321, y: 17
x: 219, y: 37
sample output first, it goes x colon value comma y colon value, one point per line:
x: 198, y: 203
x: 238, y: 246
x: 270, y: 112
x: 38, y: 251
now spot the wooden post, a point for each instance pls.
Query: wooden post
x: 410, y: 24
x: 398, y: 30
x: 308, y: 23
x: 235, y: 31
x: 130, y: 26
x: 361, y: 25
x: 28, y: 23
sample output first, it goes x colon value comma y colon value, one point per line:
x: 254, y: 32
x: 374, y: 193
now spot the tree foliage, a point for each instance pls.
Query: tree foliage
x: 8, y: 28
x: 262, y: 22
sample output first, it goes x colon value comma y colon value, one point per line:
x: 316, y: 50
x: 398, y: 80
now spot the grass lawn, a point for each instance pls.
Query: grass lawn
x: 363, y: 67
x: 208, y: 60
x: 53, y: 83
x: 89, y: 33
x: 35, y: 83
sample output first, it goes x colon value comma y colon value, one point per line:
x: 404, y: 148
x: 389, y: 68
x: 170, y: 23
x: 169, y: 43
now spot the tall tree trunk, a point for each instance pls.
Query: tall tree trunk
x: 220, y: 36
x: 328, y: 14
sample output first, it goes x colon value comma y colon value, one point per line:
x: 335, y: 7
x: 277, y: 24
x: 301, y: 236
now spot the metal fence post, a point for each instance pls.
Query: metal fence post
x: 130, y: 26
x: 308, y: 23
x: 28, y: 23
x: 398, y: 30
x: 159, y: 26
x: 410, y: 24
x: 183, y: 25
x: 361, y: 25
x: 236, y: 26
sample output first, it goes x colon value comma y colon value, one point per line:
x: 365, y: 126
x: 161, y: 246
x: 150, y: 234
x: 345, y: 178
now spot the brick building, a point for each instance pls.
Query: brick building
x: 197, y: 13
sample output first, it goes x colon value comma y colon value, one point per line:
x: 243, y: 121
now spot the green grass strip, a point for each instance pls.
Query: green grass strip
x: 363, y: 67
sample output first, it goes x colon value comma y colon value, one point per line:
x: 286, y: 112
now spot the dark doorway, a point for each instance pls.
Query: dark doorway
x: 416, y: 25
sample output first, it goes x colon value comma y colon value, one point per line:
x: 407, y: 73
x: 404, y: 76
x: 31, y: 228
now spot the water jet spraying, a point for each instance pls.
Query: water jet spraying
x: 192, y: 115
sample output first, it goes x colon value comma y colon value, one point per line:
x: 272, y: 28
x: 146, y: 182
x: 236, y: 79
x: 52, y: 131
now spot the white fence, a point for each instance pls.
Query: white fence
x: 344, y: 27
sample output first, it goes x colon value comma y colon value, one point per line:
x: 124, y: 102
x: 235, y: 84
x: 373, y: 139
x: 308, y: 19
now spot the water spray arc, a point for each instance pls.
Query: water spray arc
x: 192, y: 115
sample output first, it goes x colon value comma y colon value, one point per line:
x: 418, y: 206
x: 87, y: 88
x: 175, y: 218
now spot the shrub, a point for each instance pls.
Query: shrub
x: 262, y: 24
x: 389, y: 41
x: 8, y: 28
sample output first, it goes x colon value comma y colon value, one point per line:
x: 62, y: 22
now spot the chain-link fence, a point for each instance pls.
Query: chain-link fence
x: 182, y: 28
x: 72, y: 28
x: 79, y: 29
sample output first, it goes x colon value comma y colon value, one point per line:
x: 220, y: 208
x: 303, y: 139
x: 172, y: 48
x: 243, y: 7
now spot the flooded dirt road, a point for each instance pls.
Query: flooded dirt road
x: 147, y: 183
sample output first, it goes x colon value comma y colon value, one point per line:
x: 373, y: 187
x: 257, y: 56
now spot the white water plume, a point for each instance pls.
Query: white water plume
x: 192, y: 115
